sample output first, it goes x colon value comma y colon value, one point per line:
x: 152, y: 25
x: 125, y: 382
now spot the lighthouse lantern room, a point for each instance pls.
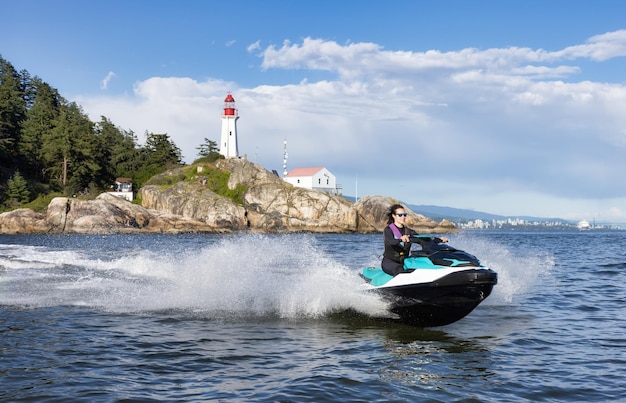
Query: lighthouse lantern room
x: 228, y: 143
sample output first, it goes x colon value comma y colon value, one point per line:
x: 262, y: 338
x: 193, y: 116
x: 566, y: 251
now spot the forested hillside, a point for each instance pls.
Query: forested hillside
x: 48, y: 145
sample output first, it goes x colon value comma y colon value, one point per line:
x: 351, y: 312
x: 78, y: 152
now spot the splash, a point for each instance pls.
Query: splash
x: 518, y: 271
x: 238, y: 276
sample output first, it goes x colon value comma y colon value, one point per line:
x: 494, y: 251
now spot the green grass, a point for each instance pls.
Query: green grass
x: 40, y: 204
x: 216, y: 181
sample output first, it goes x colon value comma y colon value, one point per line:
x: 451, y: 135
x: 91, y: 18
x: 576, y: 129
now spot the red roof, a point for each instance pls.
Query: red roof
x: 304, y: 171
x: 229, y: 98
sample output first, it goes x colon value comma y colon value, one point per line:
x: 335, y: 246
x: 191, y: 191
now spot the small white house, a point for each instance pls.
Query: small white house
x: 315, y: 178
x: 123, y: 188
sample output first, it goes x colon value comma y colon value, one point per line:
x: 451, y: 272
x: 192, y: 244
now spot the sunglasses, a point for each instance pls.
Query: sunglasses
x: 402, y: 215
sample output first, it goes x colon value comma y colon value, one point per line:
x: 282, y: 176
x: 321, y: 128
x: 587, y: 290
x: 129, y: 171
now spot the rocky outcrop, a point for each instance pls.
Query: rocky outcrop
x: 267, y: 204
x: 194, y: 202
x: 104, y: 215
x: 272, y: 205
x: 244, y: 172
x: 23, y: 221
x: 276, y: 208
x: 373, y: 210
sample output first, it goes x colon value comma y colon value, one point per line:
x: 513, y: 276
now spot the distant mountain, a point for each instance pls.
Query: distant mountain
x: 453, y: 214
x: 438, y: 213
x: 460, y: 215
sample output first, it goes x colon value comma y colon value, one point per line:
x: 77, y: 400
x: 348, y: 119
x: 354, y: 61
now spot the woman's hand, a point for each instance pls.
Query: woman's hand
x: 405, y: 238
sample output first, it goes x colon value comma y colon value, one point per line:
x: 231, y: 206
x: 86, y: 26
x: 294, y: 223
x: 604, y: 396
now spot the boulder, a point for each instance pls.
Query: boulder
x: 283, y: 207
x: 195, y: 202
x: 244, y: 172
x: 445, y: 226
x: 23, y: 221
x: 373, y: 211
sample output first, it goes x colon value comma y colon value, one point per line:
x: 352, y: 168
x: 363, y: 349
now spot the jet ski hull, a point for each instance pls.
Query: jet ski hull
x: 443, y: 301
x: 434, y: 296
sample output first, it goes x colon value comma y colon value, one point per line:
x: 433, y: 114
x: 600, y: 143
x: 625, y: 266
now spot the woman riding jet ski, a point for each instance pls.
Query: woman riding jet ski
x: 435, y: 286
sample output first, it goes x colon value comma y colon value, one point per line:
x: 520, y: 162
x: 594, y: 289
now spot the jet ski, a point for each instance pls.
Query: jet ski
x: 438, y: 286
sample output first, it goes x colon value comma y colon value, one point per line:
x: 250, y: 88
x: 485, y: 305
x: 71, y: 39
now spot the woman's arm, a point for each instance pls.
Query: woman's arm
x: 390, y: 239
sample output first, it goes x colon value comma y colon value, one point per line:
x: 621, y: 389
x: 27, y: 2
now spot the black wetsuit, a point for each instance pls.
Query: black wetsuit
x: 396, y: 250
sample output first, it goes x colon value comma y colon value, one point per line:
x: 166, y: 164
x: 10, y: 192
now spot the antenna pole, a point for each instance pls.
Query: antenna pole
x: 285, y: 158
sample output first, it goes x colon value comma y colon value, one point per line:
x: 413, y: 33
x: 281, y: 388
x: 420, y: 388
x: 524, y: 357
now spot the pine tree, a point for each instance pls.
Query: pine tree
x: 208, y: 147
x: 17, y: 191
x: 208, y: 151
x: 162, y: 151
x: 69, y: 150
x: 37, y: 126
x: 12, y: 112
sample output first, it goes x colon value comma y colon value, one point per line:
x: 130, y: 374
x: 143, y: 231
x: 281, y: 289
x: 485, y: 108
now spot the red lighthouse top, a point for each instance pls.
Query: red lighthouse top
x: 229, y: 106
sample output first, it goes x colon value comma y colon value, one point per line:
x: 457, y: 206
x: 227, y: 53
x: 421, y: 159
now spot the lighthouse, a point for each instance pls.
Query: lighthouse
x: 228, y: 143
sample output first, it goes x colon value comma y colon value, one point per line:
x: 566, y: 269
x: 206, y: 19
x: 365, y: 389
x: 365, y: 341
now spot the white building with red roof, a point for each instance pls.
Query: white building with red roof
x: 316, y: 178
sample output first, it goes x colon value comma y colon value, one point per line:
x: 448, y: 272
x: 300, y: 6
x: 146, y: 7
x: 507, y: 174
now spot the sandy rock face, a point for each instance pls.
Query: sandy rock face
x: 192, y: 201
x: 284, y: 207
x: 23, y: 221
x: 244, y: 172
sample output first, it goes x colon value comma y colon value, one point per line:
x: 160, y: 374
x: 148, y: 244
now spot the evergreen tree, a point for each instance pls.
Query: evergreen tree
x: 208, y: 151
x: 207, y: 148
x: 127, y: 156
x: 28, y: 85
x: 38, y: 125
x: 121, y: 153
x: 161, y: 151
x: 85, y: 169
x: 12, y: 112
x: 69, y: 150
x: 17, y: 191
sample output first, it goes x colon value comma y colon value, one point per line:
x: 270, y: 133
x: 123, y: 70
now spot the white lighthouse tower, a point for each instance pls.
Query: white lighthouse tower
x: 228, y: 143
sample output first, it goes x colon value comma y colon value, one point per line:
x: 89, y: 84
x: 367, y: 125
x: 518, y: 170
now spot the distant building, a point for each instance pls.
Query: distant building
x: 315, y: 178
x: 123, y: 188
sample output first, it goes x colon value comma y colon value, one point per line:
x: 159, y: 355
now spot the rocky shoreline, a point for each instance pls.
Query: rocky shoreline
x: 270, y: 205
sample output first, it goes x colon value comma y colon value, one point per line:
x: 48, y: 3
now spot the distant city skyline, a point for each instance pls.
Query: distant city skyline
x: 471, y: 219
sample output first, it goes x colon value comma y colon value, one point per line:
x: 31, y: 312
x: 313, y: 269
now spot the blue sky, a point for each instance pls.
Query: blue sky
x: 507, y: 107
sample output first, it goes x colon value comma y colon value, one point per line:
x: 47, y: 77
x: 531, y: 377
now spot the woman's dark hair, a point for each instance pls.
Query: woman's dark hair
x: 392, y: 211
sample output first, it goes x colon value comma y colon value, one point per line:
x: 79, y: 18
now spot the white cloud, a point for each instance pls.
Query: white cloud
x: 600, y: 47
x: 254, y: 47
x: 469, y: 128
x: 356, y: 59
x: 105, y: 83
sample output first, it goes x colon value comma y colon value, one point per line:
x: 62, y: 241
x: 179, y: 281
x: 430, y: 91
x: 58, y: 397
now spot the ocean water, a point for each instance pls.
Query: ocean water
x: 282, y: 318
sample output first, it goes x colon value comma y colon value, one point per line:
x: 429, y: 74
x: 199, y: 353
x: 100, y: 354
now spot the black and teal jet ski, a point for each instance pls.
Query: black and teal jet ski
x: 439, y: 286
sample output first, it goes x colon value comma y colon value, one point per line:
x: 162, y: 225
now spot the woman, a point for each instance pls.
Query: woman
x: 398, y: 239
